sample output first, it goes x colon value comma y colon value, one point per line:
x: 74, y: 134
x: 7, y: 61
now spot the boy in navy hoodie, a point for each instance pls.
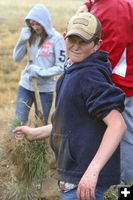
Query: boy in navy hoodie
x: 87, y: 124
x: 121, y: 58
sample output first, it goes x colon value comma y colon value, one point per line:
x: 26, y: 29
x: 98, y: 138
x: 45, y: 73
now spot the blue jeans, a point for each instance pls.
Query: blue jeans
x: 26, y: 98
x: 72, y: 194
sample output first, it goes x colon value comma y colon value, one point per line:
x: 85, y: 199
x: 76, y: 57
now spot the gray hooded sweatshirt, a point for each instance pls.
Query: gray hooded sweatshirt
x: 47, y: 60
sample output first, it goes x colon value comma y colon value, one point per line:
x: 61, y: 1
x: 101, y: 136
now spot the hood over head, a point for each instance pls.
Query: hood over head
x: 40, y: 14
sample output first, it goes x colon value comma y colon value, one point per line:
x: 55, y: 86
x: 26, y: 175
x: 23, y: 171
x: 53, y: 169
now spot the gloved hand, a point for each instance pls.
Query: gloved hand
x: 25, y: 33
x: 33, y: 71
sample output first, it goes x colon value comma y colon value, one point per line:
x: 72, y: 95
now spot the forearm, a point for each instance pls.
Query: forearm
x: 53, y: 71
x: 112, y: 136
x: 33, y: 133
x: 42, y: 132
x: 19, y: 51
x: 36, y: 71
x: 110, y: 141
x: 21, y: 47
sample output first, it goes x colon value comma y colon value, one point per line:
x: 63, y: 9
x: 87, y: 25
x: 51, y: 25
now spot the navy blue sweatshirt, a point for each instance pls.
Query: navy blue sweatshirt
x: 85, y: 95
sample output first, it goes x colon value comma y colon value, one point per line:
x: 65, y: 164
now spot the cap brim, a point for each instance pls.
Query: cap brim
x: 81, y: 35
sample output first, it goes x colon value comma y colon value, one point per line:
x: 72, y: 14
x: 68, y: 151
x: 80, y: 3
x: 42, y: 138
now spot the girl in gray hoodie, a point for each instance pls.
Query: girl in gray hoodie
x: 47, y: 52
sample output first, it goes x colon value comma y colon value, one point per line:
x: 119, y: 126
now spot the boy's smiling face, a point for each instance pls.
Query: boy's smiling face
x: 78, y: 49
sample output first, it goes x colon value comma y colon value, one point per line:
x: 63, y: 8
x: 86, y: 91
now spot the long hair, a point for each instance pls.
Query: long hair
x: 32, y: 38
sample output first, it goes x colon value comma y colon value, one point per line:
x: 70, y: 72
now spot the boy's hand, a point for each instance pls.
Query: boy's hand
x: 25, y: 34
x: 87, y: 185
x: 24, y: 131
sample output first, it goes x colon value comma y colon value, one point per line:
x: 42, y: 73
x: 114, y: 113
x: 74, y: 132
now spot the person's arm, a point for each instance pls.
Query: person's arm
x: 86, y: 6
x: 111, y: 139
x: 21, y: 47
x: 33, y: 133
x: 57, y: 68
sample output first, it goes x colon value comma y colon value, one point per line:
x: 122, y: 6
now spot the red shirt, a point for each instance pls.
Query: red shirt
x: 116, y: 17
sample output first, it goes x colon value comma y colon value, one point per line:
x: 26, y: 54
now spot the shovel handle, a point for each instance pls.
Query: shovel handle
x: 38, y: 99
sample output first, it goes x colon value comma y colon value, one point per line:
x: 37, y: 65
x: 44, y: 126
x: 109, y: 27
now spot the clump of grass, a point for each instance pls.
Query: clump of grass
x: 12, y: 125
x: 29, y: 161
